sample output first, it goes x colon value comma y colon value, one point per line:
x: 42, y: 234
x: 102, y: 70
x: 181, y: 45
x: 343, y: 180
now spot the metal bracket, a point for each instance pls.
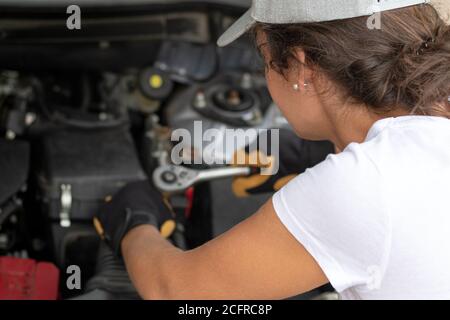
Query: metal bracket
x: 66, y: 205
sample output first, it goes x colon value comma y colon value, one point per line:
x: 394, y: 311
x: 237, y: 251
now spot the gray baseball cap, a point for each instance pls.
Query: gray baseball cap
x: 306, y: 11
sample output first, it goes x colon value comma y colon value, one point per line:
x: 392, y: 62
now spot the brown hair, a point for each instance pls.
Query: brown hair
x: 404, y: 64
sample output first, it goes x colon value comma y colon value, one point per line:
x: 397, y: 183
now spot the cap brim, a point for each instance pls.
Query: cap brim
x: 241, y: 26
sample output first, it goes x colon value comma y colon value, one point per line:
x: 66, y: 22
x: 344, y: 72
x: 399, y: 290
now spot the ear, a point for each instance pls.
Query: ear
x: 300, y: 56
x: 304, y: 73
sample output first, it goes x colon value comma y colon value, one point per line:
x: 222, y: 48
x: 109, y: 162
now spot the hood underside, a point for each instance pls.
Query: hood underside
x: 97, y: 3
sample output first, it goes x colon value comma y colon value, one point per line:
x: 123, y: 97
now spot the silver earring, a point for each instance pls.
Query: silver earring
x: 305, y: 85
x: 296, y: 87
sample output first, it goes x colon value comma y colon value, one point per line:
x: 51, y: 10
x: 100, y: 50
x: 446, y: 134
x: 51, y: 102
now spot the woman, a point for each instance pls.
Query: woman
x: 373, y: 220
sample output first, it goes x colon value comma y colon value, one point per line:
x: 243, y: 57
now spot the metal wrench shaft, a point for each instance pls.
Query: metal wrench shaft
x: 175, y: 179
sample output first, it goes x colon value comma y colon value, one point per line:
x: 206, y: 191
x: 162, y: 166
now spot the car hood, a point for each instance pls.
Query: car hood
x: 96, y: 3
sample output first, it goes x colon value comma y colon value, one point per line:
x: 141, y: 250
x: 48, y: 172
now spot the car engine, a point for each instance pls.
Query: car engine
x: 82, y: 113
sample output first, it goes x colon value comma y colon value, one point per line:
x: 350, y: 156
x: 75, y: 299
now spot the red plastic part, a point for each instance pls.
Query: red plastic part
x: 26, y: 279
x: 189, y: 194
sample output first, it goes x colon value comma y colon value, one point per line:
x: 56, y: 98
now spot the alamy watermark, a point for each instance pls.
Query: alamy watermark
x: 374, y: 22
x: 73, y: 281
x: 73, y: 21
x: 221, y: 147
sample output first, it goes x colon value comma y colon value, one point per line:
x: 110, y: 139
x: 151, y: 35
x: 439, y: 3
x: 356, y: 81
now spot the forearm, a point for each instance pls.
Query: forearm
x: 147, y: 256
x: 257, y: 259
x: 160, y: 271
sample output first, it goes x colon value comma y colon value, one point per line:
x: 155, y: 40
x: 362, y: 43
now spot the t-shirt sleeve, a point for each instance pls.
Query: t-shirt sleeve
x: 338, y: 212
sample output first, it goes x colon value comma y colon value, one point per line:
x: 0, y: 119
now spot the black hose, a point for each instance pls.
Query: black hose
x: 111, y: 275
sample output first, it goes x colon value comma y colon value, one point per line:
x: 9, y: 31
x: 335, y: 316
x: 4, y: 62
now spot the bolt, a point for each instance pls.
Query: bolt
x: 234, y: 98
x: 10, y: 135
x: 169, y: 177
x: 246, y: 81
x: 200, y: 100
x: 103, y: 116
x: 30, y: 118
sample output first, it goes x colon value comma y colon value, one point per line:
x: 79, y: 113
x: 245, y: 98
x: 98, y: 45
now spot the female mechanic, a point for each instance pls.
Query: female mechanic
x: 374, y: 219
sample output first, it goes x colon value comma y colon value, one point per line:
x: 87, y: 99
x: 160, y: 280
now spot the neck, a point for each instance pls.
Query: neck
x: 354, y: 123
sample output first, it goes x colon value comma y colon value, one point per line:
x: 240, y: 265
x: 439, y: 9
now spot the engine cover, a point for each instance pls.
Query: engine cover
x: 80, y: 168
x: 230, y: 101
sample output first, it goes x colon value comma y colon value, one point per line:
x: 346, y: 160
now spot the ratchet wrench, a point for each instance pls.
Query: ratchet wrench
x: 176, y: 179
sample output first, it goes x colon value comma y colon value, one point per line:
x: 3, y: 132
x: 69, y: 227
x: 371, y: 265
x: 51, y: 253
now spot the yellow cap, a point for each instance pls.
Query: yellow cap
x: 156, y: 81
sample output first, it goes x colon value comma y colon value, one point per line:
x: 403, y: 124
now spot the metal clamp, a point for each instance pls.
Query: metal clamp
x: 66, y: 205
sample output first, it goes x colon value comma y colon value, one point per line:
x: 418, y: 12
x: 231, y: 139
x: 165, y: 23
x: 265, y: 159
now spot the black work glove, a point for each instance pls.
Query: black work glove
x: 138, y: 203
x: 295, y: 156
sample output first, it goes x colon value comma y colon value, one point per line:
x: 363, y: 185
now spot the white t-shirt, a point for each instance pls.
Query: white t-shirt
x: 376, y: 217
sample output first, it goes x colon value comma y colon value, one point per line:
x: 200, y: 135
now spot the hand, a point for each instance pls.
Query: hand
x: 295, y: 156
x: 138, y: 203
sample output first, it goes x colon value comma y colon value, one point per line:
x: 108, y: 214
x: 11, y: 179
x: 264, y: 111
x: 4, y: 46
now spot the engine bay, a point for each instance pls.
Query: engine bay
x: 83, y: 114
